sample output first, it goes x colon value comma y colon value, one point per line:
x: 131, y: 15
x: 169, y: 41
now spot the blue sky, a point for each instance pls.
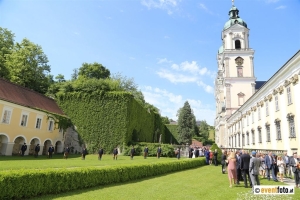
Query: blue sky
x: 169, y: 47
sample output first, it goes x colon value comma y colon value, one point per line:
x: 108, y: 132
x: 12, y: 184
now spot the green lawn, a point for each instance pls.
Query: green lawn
x: 202, y: 183
x: 42, y: 162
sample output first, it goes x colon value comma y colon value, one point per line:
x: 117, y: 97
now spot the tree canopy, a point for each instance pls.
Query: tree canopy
x: 6, y: 47
x: 186, y: 124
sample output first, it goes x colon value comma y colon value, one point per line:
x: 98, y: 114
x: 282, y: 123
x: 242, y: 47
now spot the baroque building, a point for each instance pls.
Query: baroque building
x: 253, y: 114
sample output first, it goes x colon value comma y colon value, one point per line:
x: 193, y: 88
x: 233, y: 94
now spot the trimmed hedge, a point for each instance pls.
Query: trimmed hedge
x: 19, y: 184
x: 110, y: 119
x: 171, y: 133
x: 167, y: 149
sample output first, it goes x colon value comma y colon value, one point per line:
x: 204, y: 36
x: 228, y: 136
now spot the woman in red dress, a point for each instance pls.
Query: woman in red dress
x: 231, y: 160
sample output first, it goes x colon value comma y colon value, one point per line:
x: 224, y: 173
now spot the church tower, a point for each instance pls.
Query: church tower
x: 235, y: 81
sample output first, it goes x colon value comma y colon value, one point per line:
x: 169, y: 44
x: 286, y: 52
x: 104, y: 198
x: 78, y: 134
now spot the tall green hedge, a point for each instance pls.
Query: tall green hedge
x: 167, y: 149
x: 171, y: 133
x: 20, y: 184
x: 110, y: 119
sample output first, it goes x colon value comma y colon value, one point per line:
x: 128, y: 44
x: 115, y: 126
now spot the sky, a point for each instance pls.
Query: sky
x: 169, y: 47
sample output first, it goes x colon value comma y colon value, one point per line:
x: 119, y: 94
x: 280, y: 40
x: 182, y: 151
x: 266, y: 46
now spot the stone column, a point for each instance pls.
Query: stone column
x: 228, y: 99
x: 227, y: 67
x: 251, y: 65
x: 41, y: 150
x: 9, y: 148
x: 231, y: 41
x: 27, y: 151
x: 253, y: 88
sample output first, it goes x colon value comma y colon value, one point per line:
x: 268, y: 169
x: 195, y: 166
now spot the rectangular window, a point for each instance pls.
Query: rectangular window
x: 268, y: 133
x: 292, y: 127
x: 239, y: 140
x: 38, y: 123
x: 6, y: 116
x: 267, y: 108
x: 259, y: 136
x: 24, y: 120
x: 50, y: 127
x: 289, y: 96
x: 247, y: 120
x: 258, y: 113
x: 248, y: 140
x: 276, y: 103
x: 253, y: 137
x: 243, y: 140
x: 278, y: 130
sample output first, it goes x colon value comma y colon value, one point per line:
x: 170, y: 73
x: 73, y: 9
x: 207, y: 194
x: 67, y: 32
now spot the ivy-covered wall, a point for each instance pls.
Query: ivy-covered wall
x: 110, y: 119
x: 171, y: 133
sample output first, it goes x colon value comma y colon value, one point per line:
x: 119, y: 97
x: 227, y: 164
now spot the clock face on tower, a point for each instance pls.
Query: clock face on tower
x: 239, y: 61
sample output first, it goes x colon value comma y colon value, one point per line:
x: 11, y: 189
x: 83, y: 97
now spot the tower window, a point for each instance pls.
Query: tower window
x: 237, y: 44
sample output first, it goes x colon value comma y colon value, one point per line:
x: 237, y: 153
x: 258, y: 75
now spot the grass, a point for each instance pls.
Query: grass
x: 42, y: 162
x: 202, y: 183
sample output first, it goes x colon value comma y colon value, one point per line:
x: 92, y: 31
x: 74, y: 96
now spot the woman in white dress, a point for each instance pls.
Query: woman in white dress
x: 280, y: 165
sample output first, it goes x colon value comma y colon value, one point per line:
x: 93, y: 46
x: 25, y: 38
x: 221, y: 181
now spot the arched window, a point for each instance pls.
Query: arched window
x: 237, y: 44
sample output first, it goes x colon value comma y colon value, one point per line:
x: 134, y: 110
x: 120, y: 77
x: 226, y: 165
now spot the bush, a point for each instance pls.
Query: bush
x: 20, y: 184
x: 215, y: 146
x: 167, y: 149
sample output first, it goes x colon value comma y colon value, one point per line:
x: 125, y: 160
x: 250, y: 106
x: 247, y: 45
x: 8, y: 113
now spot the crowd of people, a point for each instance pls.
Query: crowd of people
x: 242, y: 166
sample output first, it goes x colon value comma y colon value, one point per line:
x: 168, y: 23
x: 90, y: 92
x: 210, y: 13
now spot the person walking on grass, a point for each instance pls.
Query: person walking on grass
x: 216, y: 157
x: 115, y: 153
x: 66, y: 153
x: 132, y: 152
x: 280, y: 164
x: 177, y: 152
x: 23, y: 149
x: 100, y: 153
x: 84, y: 153
x: 146, y: 150
x: 36, y: 150
x: 223, y: 161
x: 158, y: 152
x: 231, y: 160
x: 254, y: 165
x: 50, y: 151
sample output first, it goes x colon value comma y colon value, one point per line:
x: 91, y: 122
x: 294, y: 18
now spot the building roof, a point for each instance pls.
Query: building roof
x: 258, y: 84
x: 20, y: 95
x: 234, y: 18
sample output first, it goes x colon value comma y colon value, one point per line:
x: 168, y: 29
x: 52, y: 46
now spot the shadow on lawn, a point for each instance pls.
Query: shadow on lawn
x: 91, y: 189
x: 42, y: 157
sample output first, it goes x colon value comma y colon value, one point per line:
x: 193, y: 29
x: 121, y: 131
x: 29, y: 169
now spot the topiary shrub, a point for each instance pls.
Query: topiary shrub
x: 215, y: 146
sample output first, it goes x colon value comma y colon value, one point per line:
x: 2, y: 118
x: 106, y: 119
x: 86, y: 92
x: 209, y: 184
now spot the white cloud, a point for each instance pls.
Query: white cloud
x: 169, y: 103
x: 203, y: 7
x: 280, y: 7
x: 168, y: 5
x: 163, y: 60
x: 207, y: 88
x: 176, y: 78
x: 132, y: 58
x: 186, y: 72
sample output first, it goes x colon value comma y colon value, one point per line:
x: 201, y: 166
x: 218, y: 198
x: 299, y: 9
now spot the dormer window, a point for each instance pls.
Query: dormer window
x: 237, y: 44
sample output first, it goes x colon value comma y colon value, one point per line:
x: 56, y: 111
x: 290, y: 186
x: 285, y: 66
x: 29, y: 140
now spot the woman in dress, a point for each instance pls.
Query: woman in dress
x: 262, y: 168
x: 280, y: 165
x: 231, y: 160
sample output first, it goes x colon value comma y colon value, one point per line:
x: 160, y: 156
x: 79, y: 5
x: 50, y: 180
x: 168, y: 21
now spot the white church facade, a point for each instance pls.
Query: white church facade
x: 250, y: 114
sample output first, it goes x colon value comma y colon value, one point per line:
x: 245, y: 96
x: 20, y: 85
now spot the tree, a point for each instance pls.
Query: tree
x: 165, y: 120
x: 204, y: 129
x: 60, y: 78
x: 6, y: 47
x: 74, y: 75
x: 186, y: 124
x: 28, y: 66
x: 94, y: 70
x: 215, y: 146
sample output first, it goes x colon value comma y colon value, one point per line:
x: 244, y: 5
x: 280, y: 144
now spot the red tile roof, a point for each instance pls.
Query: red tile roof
x: 196, y: 143
x: 17, y: 94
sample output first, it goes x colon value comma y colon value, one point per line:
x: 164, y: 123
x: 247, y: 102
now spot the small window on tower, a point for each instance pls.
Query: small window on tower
x: 240, y: 71
x: 237, y: 44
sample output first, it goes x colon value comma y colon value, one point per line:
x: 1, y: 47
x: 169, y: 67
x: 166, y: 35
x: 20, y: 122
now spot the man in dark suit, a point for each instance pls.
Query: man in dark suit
x: 238, y: 167
x: 158, y: 152
x: 245, y: 161
x: 146, y: 150
x: 215, y: 158
x: 100, y: 153
x: 269, y: 162
x: 50, y: 151
x: 293, y: 163
x: 36, y: 150
x: 132, y: 152
x: 23, y: 149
